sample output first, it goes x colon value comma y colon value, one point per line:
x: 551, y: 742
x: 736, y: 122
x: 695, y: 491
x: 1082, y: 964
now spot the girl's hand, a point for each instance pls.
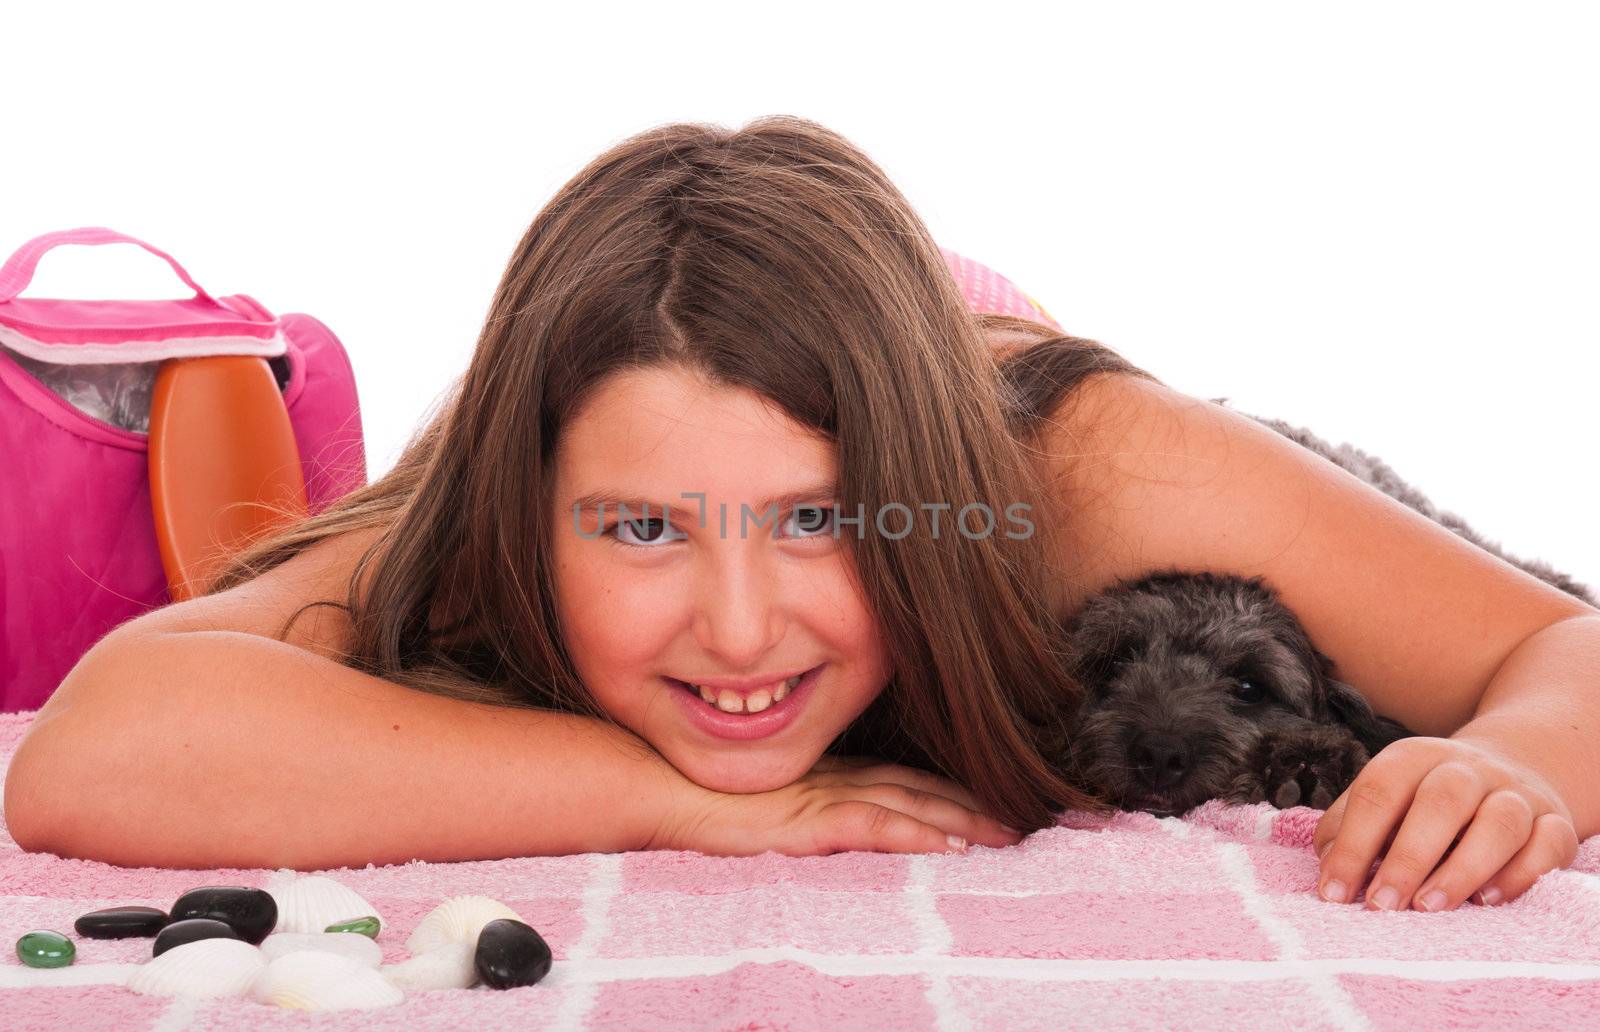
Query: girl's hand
x: 840, y: 804
x: 1505, y: 822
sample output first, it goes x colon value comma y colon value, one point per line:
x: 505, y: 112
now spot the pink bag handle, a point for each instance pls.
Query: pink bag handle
x: 18, y: 272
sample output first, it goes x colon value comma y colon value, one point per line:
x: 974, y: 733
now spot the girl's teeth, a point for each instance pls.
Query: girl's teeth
x: 732, y: 702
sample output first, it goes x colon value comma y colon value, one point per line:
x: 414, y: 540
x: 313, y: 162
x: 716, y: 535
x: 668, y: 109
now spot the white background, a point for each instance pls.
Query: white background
x: 1379, y: 221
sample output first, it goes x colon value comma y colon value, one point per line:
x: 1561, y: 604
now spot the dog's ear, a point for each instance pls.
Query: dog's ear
x: 1372, y: 730
x: 1101, y: 639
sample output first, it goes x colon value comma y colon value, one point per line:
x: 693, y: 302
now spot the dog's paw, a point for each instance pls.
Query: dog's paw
x: 1307, y: 767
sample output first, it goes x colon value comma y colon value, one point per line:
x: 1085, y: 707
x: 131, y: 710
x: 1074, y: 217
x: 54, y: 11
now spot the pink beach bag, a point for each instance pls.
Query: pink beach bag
x: 78, y: 551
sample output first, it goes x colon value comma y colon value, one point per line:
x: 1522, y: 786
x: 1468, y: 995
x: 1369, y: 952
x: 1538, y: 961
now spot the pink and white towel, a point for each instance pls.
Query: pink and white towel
x: 1208, y: 921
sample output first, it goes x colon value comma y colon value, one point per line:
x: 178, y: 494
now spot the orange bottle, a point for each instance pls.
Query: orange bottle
x: 224, y: 465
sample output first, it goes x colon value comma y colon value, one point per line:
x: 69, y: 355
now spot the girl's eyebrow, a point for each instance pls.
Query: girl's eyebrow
x: 615, y: 499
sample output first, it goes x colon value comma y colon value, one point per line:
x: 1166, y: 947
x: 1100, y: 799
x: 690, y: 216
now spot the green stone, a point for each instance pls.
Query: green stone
x: 367, y: 926
x: 46, y: 949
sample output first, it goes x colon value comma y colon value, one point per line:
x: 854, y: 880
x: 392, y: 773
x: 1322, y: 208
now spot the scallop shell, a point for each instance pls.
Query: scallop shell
x: 317, y: 980
x: 204, y: 967
x: 312, y: 903
x: 346, y: 944
x: 447, y: 967
x: 457, y: 919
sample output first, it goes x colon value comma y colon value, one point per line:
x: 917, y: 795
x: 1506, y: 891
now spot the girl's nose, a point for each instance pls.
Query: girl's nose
x: 738, y: 611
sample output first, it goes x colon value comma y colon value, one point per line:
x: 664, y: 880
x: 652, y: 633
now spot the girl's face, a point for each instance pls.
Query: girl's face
x: 721, y: 588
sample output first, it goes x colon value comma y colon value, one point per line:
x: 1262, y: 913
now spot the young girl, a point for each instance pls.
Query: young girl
x: 829, y: 617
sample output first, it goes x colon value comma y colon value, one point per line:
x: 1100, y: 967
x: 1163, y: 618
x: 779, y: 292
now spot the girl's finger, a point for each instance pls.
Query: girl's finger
x: 857, y: 824
x: 956, y: 819
x: 894, y: 773
x: 1553, y: 844
x: 1446, y: 798
x: 1373, y: 806
x: 1501, y: 827
x: 877, y: 772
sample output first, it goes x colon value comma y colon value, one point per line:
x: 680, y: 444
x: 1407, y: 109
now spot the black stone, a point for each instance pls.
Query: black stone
x: 190, y: 930
x: 253, y: 913
x: 121, y: 923
x: 509, y: 954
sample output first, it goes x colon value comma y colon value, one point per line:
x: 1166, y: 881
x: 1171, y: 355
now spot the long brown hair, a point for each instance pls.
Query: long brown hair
x: 778, y: 258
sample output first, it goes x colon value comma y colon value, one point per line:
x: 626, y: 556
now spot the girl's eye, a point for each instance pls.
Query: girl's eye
x: 814, y: 520
x: 646, y: 533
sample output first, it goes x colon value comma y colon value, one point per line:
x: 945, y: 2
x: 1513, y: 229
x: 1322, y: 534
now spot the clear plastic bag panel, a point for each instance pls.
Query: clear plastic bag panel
x: 115, y: 392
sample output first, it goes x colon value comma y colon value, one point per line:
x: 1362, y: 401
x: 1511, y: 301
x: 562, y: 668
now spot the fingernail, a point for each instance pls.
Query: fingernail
x: 1333, y: 891
x: 1324, y: 850
x: 1386, y: 898
x: 957, y: 843
x: 1007, y: 827
x: 1488, y: 895
x: 1433, y: 899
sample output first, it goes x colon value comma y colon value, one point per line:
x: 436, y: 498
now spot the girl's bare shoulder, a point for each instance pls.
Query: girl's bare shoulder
x: 264, y: 604
x: 1417, y: 618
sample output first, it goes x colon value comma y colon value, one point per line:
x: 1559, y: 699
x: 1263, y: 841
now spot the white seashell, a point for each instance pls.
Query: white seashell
x: 204, y: 967
x: 346, y: 944
x: 457, y: 919
x: 448, y: 967
x: 312, y: 903
x: 316, y: 980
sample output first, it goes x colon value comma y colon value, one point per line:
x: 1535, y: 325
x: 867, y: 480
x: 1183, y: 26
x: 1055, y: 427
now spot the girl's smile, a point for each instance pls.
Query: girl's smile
x: 758, y: 715
x: 742, y: 695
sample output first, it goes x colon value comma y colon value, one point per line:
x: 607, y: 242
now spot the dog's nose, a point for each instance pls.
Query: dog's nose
x: 1160, y: 761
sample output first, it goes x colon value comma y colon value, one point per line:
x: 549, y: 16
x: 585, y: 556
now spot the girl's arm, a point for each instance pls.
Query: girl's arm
x: 193, y: 736
x: 226, y: 749
x: 1501, y: 669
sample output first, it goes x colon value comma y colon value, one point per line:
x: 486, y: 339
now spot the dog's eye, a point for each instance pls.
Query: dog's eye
x: 1126, y: 654
x: 1249, y: 692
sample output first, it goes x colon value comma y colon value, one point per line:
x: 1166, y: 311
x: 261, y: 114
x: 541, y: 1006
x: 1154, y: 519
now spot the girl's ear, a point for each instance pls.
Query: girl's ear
x: 1350, y: 709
